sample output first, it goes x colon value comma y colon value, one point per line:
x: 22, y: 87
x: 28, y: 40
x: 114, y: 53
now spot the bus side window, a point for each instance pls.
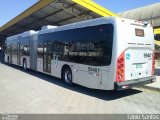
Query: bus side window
x: 25, y: 50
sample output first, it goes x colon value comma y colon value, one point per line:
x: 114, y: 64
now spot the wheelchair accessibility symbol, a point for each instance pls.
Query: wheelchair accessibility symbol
x: 128, y: 56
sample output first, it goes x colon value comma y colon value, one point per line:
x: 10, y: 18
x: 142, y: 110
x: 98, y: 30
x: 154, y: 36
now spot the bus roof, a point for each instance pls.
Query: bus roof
x: 82, y: 24
x: 92, y: 22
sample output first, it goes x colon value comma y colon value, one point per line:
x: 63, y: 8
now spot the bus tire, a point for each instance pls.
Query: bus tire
x: 67, y: 76
x: 24, y: 64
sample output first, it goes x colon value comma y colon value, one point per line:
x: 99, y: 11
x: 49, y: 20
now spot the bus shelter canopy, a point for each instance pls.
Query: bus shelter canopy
x: 48, y: 12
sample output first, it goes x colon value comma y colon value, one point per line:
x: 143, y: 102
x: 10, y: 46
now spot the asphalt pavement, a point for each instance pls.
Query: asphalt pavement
x: 36, y: 93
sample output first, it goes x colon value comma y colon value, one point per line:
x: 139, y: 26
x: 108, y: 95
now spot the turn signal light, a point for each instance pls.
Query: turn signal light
x: 120, y: 72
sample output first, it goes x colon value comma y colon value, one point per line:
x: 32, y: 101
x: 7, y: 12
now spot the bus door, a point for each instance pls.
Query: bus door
x: 46, y: 57
x: 18, y: 54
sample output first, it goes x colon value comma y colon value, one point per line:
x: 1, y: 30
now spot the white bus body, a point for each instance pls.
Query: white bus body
x: 104, y: 53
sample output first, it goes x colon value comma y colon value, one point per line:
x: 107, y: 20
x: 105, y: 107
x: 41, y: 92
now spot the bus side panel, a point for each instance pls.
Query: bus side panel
x: 6, y: 57
x: 56, y: 67
x: 84, y: 77
x: 13, y: 59
x: 113, y: 65
x: 33, y: 52
x: 105, y: 79
x: 80, y: 74
x: 40, y: 64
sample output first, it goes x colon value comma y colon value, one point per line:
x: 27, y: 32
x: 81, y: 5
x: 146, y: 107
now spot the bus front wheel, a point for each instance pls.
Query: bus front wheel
x: 67, y: 76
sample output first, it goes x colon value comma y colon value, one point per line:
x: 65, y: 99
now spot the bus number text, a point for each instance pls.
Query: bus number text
x: 148, y: 55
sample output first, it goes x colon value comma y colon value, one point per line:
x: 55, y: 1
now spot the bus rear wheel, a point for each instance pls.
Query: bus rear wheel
x: 67, y: 76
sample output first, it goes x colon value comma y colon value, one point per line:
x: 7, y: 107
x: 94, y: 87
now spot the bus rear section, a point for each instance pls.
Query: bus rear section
x: 135, y: 54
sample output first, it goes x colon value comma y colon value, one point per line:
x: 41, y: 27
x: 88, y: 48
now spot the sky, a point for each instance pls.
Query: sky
x: 118, y: 6
x: 9, y: 9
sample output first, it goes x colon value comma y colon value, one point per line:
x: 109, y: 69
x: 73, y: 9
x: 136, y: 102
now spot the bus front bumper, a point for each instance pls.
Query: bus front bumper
x: 133, y: 83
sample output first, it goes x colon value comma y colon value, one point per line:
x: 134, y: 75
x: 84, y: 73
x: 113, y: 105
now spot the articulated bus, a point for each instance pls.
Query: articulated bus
x: 104, y: 53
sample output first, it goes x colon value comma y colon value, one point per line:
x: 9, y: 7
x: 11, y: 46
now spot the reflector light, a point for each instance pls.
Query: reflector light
x: 120, y: 66
x: 120, y: 76
x: 120, y: 60
x: 154, y: 80
x: 125, y: 86
x: 96, y: 74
